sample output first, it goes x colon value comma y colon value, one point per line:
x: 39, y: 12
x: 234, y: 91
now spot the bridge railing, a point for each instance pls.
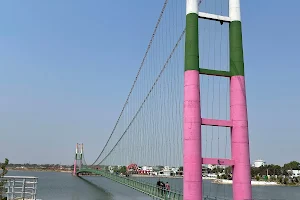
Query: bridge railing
x: 19, y: 187
x: 146, y: 187
x: 141, y: 186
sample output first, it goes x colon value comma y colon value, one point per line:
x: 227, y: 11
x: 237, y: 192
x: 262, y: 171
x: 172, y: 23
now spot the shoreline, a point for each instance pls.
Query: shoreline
x: 255, y: 183
x: 214, y: 180
x: 153, y: 176
x: 39, y: 170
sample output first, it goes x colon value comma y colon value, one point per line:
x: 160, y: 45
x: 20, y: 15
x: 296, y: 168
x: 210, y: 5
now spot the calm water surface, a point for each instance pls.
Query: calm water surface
x: 63, y: 186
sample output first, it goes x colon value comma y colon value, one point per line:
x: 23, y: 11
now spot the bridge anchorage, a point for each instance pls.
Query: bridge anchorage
x: 193, y: 119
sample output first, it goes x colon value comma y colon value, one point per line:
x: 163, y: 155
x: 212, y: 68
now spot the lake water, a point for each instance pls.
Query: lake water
x: 63, y: 186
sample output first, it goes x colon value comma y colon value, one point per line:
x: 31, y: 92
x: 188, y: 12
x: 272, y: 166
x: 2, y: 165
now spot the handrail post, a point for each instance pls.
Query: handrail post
x: 23, y: 189
x: 8, y: 189
x: 13, y: 189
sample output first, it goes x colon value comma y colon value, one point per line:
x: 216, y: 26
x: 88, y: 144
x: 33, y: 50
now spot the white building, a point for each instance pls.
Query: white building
x: 175, y: 169
x: 168, y: 171
x: 259, y: 163
x: 146, y: 168
x: 294, y: 173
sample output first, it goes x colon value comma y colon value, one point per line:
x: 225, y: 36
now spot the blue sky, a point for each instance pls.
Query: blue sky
x: 67, y: 66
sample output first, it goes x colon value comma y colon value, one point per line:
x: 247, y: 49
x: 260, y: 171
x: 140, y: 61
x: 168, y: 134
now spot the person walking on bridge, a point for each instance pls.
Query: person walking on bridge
x: 158, y: 184
x: 168, y: 189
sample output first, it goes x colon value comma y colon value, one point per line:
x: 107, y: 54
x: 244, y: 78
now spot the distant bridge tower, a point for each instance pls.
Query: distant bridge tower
x: 78, y: 158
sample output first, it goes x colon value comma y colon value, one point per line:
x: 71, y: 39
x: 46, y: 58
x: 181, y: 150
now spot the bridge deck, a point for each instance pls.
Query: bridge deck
x: 144, y: 187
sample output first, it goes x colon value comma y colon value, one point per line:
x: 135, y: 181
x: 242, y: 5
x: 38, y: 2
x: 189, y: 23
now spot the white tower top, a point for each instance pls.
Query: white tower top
x: 192, y: 6
x: 234, y: 10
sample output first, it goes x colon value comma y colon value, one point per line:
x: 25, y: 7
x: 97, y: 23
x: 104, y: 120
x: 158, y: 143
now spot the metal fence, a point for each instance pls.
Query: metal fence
x: 19, y: 187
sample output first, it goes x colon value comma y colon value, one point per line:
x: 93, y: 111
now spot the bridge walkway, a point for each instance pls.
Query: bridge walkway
x: 141, y: 186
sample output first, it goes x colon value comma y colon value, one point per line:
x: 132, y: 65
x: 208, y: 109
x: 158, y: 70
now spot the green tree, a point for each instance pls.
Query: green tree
x: 224, y: 176
x: 228, y: 170
x: 275, y: 169
x: 267, y: 170
x: 272, y: 178
x: 285, y: 172
x: 280, y: 179
x: 2, y: 182
x: 257, y: 178
x: 254, y: 172
x: 216, y: 170
x: 116, y: 169
x: 292, y: 165
x: 181, y: 168
x: 123, y: 170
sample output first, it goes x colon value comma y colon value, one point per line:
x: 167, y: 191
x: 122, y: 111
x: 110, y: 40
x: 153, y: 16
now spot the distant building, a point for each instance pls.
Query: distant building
x: 259, y: 163
x: 146, y: 170
x: 175, y: 169
x: 294, y: 173
x: 168, y: 171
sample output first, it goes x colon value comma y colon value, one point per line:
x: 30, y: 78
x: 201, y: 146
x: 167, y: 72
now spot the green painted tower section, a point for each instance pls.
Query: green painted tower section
x: 236, y: 49
x: 191, y: 43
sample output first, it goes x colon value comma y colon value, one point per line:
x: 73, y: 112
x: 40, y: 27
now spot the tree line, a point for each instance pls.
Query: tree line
x: 281, y: 174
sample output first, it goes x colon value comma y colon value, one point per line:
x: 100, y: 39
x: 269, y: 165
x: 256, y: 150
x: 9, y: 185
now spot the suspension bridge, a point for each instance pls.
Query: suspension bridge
x: 191, y: 117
